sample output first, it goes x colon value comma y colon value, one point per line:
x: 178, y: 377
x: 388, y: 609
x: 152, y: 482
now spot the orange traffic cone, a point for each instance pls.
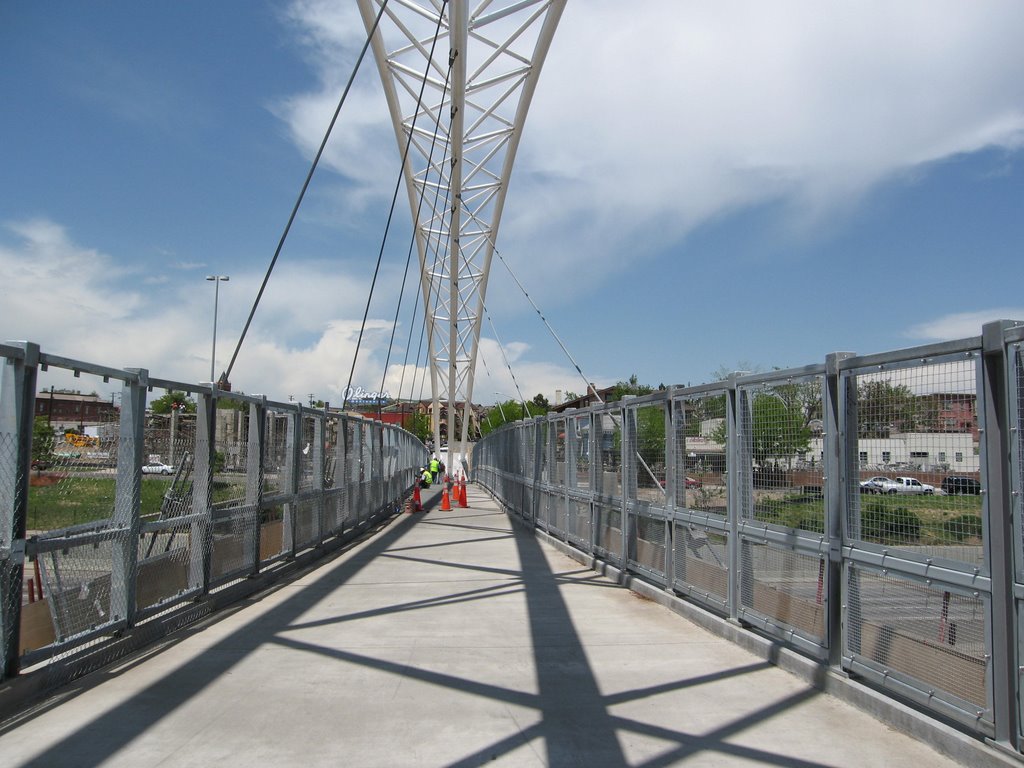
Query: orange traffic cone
x: 446, y: 502
x: 462, y: 494
x: 417, y: 505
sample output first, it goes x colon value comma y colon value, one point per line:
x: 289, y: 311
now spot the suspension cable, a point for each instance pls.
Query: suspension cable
x: 224, y: 377
x: 501, y: 348
x: 394, y: 200
x: 412, y: 245
x: 429, y: 247
x: 547, y: 325
x: 430, y: 287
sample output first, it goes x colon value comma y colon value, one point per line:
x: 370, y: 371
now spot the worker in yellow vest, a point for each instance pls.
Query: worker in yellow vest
x: 435, y: 466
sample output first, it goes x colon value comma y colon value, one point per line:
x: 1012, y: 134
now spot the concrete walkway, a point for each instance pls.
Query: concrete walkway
x: 450, y: 639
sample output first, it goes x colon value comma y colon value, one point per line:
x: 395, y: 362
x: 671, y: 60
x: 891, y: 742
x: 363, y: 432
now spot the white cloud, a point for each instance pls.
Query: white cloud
x: 648, y: 125
x: 653, y: 118
x: 961, y: 325
x: 71, y: 300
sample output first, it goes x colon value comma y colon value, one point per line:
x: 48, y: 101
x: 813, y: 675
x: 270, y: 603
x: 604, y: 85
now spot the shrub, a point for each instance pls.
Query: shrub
x: 888, y: 525
x: 962, y: 527
x: 769, y: 511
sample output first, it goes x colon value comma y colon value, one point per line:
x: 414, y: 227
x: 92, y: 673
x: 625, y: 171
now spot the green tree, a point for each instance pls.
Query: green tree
x: 173, y: 400
x: 507, y: 412
x: 704, y: 409
x: 541, y: 402
x: 804, y: 396
x: 631, y: 387
x: 42, y: 440
x: 650, y: 446
x: 779, y: 429
x: 419, y: 425
x: 883, y: 408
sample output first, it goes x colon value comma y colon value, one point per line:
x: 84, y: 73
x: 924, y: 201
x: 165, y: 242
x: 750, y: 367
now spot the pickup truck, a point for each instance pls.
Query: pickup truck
x: 903, y: 485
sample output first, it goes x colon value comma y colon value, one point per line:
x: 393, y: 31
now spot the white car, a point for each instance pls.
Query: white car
x: 873, y: 484
x: 909, y: 485
x: 157, y: 468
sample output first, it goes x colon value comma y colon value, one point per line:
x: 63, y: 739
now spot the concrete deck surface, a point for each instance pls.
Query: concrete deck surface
x: 450, y: 639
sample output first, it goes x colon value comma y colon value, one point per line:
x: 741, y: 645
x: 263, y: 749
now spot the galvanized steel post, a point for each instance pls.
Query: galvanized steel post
x: 17, y: 415
x: 998, y: 512
x: 127, y: 496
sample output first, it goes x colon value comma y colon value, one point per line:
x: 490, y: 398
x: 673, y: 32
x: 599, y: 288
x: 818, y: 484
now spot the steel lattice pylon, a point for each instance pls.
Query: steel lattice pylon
x: 481, y: 76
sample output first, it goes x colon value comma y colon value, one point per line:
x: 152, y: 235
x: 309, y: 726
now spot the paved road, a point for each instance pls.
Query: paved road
x: 450, y: 638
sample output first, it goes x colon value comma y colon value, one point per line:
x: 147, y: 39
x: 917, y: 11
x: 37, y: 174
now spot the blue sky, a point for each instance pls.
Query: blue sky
x: 699, y: 186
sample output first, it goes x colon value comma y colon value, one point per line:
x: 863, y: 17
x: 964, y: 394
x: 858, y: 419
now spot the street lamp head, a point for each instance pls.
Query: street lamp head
x: 218, y: 277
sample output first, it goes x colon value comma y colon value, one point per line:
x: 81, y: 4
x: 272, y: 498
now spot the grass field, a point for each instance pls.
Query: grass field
x: 932, y: 519
x: 75, y: 500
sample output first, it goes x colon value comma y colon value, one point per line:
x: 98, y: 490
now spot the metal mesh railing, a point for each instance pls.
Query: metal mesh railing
x: 582, y: 458
x: 609, y: 453
x: 920, y: 632
x: 918, y: 466
x: 115, y: 515
x: 877, y: 468
x: 781, y: 430
x: 700, y: 564
x: 784, y: 588
x: 702, y: 463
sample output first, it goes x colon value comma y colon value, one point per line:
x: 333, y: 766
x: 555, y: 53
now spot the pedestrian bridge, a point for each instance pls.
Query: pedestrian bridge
x: 271, y: 599
x: 452, y: 638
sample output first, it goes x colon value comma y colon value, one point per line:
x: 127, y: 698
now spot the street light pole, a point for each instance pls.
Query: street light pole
x: 216, y: 280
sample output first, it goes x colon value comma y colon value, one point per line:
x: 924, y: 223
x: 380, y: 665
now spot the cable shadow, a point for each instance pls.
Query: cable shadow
x: 456, y: 542
x: 571, y: 723
x: 576, y: 726
x: 111, y: 731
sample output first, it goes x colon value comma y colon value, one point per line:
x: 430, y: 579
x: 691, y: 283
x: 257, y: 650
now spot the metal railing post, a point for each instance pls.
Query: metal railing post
x: 17, y: 416
x: 737, y: 467
x: 292, y: 458
x: 255, y: 451
x: 538, y: 451
x: 128, y: 495
x: 627, y: 460
x: 674, y: 425
x: 998, y: 509
x: 202, y: 493
x: 837, y: 481
x: 317, y: 456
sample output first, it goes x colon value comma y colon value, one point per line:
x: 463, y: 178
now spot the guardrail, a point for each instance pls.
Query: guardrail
x: 94, y: 549
x: 754, y: 498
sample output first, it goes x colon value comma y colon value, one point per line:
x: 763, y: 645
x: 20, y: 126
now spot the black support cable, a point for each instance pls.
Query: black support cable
x: 437, y: 258
x: 412, y: 245
x: 394, y: 200
x: 295, y: 209
x: 430, y: 287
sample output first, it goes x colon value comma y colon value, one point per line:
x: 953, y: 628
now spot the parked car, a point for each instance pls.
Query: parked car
x: 957, y: 485
x: 40, y: 464
x: 157, y: 468
x: 873, y: 484
x: 692, y: 483
x: 910, y: 485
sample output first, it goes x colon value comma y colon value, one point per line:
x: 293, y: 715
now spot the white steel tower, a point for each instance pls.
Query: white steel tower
x: 481, y: 75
